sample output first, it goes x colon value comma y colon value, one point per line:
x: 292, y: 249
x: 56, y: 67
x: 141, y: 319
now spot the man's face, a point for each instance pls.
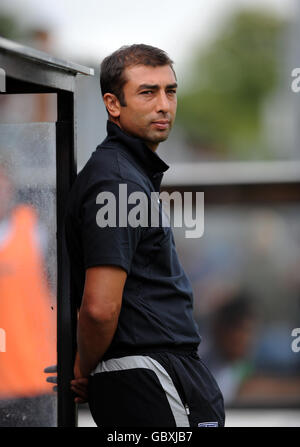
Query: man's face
x: 150, y: 97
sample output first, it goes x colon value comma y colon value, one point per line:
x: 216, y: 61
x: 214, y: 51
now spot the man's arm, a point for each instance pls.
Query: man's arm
x: 99, y: 313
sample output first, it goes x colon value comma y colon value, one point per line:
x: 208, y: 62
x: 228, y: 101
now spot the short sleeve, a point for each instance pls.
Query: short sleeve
x: 106, y: 239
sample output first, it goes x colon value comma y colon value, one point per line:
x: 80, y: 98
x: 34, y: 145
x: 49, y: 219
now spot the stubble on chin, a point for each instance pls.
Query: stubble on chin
x: 163, y: 136
x: 153, y: 142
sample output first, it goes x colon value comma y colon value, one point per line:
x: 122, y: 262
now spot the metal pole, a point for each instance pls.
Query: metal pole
x: 66, y: 310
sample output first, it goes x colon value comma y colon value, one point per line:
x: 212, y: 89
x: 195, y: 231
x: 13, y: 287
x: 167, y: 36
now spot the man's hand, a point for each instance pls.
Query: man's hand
x: 79, y: 384
x: 52, y: 379
x: 80, y: 387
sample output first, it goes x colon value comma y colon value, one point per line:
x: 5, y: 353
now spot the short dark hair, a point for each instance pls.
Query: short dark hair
x: 232, y: 313
x: 112, y: 77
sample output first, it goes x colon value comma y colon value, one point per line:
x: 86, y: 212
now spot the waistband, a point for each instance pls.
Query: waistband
x: 144, y: 350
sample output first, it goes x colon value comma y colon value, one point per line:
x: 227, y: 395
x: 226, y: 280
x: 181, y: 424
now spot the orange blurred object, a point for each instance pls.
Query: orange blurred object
x: 26, y: 311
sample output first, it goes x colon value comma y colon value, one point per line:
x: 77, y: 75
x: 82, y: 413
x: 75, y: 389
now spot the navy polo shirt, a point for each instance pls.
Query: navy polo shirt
x: 156, y: 310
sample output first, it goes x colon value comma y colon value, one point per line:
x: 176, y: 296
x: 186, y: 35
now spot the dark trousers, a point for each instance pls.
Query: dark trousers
x: 155, y: 390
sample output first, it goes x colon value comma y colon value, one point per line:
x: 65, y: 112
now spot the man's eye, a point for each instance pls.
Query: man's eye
x: 172, y: 92
x: 147, y: 92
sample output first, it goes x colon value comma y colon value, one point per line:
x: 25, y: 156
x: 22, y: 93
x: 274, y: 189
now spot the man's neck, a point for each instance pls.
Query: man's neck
x: 149, y: 144
x: 152, y: 146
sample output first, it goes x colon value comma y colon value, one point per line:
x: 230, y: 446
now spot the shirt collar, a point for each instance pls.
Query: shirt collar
x: 148, y: 159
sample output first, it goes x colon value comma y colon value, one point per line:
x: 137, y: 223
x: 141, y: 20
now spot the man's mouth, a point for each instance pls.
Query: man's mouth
x: 161, y: 124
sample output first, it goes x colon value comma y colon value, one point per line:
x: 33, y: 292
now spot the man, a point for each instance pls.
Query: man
x: 232, y: 330
x: 137, y: 340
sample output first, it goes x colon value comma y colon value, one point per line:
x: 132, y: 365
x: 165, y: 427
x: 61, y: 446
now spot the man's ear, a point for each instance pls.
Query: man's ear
x: 112, y: 104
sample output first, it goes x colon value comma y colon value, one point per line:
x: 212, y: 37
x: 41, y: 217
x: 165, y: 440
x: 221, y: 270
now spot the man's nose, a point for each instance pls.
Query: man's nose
x: 162, y: 104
